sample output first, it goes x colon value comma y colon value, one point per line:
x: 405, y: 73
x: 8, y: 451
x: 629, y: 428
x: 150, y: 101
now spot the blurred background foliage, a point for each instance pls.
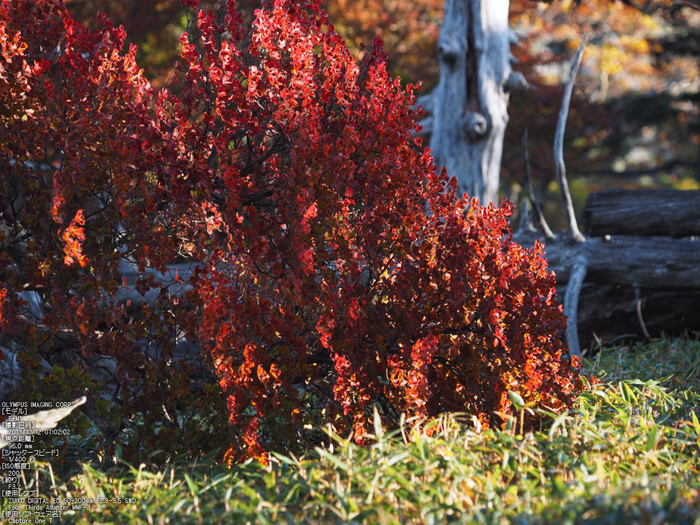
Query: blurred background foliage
x: 634, y: 119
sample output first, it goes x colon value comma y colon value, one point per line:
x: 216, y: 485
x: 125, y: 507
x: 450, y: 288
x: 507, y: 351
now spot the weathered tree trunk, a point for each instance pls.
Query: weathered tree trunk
x: 469, y: 105
x: 643, y: 212
x: 466, y: 124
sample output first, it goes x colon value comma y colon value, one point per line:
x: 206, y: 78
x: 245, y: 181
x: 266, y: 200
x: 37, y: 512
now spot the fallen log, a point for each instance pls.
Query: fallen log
x: 647, y: 262
x: 671, y: 213
x: 662, y: 271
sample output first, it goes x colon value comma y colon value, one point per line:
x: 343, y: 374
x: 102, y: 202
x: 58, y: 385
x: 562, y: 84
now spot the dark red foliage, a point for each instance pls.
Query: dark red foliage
x: 338, y: 271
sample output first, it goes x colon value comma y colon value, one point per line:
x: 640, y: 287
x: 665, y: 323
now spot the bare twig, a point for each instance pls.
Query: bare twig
x: 638, y: 301
x: 573, y: 290
x: 541, y: 222
x: 559, y: 148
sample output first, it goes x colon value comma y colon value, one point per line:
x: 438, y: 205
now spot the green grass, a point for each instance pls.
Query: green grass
x: 629, y: 453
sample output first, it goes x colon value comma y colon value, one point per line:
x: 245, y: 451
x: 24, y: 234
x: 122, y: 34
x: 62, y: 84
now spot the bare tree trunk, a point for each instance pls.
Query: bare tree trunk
x: 469, y: 104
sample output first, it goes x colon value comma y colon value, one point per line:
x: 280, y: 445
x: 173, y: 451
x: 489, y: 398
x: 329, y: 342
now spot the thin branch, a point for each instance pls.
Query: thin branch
x: 638, y: 301
x: 559, y: 148
x: 257, y: 197
x: 541, y: 222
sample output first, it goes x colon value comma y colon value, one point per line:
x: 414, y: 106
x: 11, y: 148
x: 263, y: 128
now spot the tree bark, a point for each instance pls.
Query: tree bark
x: 648, y: 262
x: 643, y: 212
x: 469, y: 104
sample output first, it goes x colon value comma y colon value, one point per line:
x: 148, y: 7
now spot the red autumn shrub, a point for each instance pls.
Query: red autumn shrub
x: 334, y: 290
x: 82, y: 151
x: 337, y: 271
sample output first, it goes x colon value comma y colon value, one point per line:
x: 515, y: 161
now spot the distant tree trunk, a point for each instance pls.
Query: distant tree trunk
x: 469, y: 105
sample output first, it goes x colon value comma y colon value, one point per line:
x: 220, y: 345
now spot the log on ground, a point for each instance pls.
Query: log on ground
x: 673, y: 213
x: 647, y: 262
